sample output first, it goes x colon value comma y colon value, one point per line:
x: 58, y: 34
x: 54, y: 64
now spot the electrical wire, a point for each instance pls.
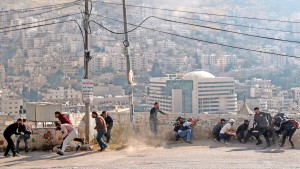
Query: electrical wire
x: 22, y: 11
x: 39, y: 7
x: 215, y: 22
x: 223, y: 30
x: 50, y: 19
x: 207, y: 27
x: 200, y: 13
x: 44, y: 12
x: 200, y: 40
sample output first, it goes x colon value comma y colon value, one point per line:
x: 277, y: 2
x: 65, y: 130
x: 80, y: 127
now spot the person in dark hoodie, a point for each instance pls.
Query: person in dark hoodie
x: 217, y: 128
x: 8, y: 132
x: 243, y: 132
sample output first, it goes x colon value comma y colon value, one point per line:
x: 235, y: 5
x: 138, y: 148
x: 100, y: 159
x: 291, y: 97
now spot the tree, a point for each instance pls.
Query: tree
x: 54, y: 80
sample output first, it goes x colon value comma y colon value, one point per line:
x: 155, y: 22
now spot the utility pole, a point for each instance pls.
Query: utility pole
x: 129, y: 71
x: 87, y: 58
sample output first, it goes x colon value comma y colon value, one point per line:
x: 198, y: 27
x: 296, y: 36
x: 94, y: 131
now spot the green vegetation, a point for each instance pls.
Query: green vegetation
x: 54, y: 80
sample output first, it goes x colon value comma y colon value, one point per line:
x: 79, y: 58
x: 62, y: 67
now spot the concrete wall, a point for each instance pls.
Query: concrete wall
x: 46, y: 138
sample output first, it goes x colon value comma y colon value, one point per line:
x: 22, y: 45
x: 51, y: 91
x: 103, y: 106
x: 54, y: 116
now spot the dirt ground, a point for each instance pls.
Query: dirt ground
x: 200, y: 154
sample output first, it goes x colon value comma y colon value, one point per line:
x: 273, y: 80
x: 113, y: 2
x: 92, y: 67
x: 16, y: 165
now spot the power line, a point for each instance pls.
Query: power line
x: 50, y: 19
x: 200, y: 13
x: 47, y: 24
x: 38, y: 8
x: 215, y: 22
x: 199, y: 40
x: 44, y: 12
x: 223, y: 30
x: 120, y: 33
x: 207, y: 27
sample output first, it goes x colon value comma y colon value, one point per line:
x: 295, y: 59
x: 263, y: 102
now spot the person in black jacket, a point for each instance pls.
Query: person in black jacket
x: 217, y: 128
x: 109, y: 123
x: 243, y: 132
x: 262, y: 121
x: 8, y: 132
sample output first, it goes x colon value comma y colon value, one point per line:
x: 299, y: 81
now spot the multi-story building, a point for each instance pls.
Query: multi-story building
x: 63, y: 95
x: 296, y: 93
x: 10, y: 102
x: 196, y: 92
x: 2, y: 74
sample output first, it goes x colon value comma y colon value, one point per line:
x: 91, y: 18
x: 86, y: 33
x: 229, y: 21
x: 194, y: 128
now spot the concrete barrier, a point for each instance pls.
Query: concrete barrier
x: 46, y: 138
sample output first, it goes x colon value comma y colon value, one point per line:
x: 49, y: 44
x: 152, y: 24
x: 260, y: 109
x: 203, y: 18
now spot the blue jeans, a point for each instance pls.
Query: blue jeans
x: 186, y: 133
x: 153, y: 127
x: 225, y: 136
x: 25, y: 137
x: 100, y: 141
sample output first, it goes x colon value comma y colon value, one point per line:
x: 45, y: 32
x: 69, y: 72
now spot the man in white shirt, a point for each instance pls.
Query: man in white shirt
x: 69, y: 133
x: 185, y: 129
x: 227, y: 132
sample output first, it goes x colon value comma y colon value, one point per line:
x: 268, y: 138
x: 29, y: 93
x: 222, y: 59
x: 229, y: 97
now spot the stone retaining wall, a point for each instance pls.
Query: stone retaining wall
x: 46, y: 138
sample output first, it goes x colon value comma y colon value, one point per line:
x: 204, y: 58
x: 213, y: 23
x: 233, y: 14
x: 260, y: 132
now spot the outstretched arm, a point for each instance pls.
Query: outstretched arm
x: 162, y: 112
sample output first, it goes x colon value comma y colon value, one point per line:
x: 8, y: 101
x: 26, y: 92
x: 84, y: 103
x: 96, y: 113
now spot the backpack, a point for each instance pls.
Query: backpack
x: 176, y: 128
x: 295, y: 123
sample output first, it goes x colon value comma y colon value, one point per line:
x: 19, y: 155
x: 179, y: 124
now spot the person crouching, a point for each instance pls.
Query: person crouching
x: 69, y: 133
x: 185, y: 129
x: 227, y: 132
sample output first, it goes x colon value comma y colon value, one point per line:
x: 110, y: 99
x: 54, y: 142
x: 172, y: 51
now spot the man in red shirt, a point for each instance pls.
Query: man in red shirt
x: 64, y: 120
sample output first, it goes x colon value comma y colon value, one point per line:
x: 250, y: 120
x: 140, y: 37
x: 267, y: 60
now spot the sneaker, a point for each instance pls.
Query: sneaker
x: 293, y: 147
x: 60, y: 153
x: 227, y: 143
x: 223, y: 141
x: 189, y: 142
x: 16, y: 155
x: 78, y: 147
x: 26, y: 150
x: 90, y: 148
x: 7, y: 155
x: 216, y: 140
x: 259, y: 142
x: 102, y: 150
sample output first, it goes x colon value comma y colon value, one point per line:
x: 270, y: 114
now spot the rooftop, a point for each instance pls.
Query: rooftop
x: 199, y: 74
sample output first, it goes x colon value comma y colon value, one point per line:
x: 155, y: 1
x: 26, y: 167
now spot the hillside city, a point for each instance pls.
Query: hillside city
x: 46, y: 64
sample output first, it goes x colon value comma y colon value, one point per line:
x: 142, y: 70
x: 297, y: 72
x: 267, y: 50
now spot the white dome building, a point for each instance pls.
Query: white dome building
x: 197, y: 92
x: 198, y: 74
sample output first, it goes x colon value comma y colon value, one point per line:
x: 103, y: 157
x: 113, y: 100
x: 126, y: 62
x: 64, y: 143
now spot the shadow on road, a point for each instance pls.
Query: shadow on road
x: 28, y: 158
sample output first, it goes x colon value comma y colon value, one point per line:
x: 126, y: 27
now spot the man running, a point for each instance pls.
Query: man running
x: 109, y: 124
x: 101, y: 129
x: 69, y: 134
x: 64, y: 120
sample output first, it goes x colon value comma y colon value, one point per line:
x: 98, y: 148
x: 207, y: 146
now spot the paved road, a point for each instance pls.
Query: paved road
x: 199, y: 155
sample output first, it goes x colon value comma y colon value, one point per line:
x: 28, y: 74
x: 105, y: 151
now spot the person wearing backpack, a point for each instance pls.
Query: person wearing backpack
x: 287, y: 129
x: 262, y: 121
